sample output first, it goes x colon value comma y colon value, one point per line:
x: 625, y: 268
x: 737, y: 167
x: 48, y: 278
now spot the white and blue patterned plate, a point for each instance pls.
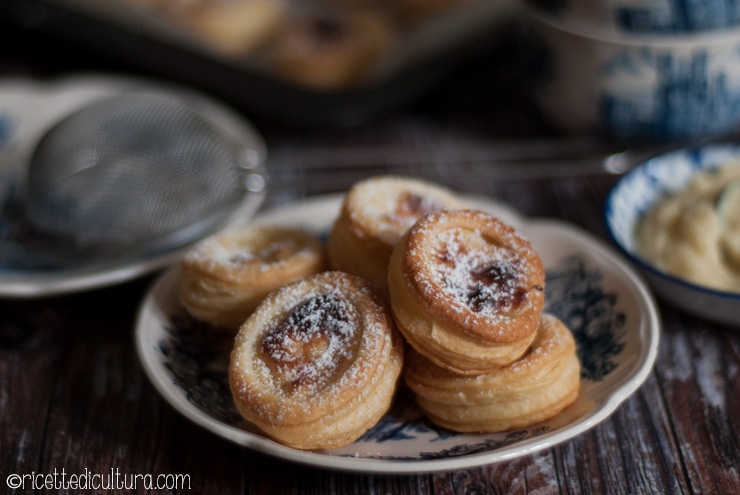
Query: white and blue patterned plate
x: 28, y: 108
x: 611, y: 313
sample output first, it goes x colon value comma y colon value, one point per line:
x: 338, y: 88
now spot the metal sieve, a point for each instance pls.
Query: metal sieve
x: 134, y: 171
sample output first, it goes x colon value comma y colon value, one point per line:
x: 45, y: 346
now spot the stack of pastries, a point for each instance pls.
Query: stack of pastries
x: 413, y: 285
x: 325, y: 45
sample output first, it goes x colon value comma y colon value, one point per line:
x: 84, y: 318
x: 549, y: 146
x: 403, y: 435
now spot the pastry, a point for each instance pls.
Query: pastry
x: 536, y: 387
x: 231, y: 27
x: 466, y: 290
x: 374, y: 215
x: 316, y: 365
x: 421, y: 10
x: 331, y: 50
x: 225, y: 277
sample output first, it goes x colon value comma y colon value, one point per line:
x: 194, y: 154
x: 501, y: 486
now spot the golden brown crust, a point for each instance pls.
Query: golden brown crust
x: 420, y: 10
x: 534, y: 388
x: 374, y: 215
x: 467, y: 290
x: 225, y: 277
x: 233, y: 28
x: 331, y: 50
x: 317, y: 363
x: 471, y: 267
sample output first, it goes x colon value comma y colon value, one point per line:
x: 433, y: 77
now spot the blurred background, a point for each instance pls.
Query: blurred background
x: 504, y: 89
x: 620, y: 69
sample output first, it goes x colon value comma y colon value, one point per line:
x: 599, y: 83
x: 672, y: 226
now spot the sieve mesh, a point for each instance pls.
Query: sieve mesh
x: 128, y: 169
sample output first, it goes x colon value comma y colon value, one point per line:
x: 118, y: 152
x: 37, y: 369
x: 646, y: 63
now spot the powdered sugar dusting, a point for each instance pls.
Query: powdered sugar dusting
x: 407, y: 209
x: 478, y: 274
x: 312, y: 342
x: 233, y: 254
x: 390, y: 206
x: 553, y: 336
x: 317, y: 343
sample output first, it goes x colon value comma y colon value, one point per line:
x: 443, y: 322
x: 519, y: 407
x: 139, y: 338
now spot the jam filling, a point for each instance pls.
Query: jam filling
x: 495, y: 287
x: 410, y: 207
x: 328, y: 29
x: 414, y: 205
x: 312, y: 344
x: 487, y: 279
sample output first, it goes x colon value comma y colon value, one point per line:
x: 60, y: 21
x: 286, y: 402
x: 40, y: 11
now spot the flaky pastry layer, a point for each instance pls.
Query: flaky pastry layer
x: 375, y: 214
x: 225, y: 277
x: 466, y: 290
x: 534, y: 388
x: 317, y: 363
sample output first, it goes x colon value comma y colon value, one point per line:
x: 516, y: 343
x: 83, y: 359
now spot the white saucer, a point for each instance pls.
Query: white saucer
x: 608, y: 308
x: 27, y: 109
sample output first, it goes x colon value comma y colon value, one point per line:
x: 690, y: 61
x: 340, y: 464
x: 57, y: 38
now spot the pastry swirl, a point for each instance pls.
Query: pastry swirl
x: 317, y: 363
x: 536, y: 387
x: 374, y: 215
x: 466, y: 290
x: 225, y: 277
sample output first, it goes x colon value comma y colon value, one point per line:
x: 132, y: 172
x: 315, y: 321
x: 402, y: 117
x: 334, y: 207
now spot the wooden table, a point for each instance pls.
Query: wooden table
x: 73, y: 396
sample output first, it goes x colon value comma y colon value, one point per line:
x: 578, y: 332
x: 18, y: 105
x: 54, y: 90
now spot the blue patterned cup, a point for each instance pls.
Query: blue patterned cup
x: 646, y: 16
x: 647, y: 88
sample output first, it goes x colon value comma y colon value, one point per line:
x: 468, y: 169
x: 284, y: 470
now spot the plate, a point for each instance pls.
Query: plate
x: 611, y: 313
x: 27, y: 109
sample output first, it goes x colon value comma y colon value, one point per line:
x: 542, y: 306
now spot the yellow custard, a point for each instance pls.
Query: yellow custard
x: 694, y: 233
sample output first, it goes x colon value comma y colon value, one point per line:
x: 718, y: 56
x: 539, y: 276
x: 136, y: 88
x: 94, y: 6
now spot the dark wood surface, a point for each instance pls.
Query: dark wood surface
x: 73, y: 395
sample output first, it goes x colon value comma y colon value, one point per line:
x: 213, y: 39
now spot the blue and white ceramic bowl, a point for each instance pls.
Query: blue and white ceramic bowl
x: 637, y: 191
x: 652, y: 16
x: 634, y: 87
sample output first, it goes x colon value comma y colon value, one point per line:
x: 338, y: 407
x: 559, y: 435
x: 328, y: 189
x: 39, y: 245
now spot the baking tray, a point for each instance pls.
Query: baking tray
x: 423, y: 61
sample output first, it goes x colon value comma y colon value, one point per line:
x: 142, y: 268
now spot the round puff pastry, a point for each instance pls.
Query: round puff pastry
x: 466, y: 290
x: 374, y: 215
x: 231, y: 27
x: 420, y: 10
x: 332, y: 50
x: 316, y: 365
x: 536, y: 387
x: 225, y: 277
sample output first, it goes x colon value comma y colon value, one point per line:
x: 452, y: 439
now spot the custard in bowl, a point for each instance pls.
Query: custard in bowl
x: 677, y: 216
